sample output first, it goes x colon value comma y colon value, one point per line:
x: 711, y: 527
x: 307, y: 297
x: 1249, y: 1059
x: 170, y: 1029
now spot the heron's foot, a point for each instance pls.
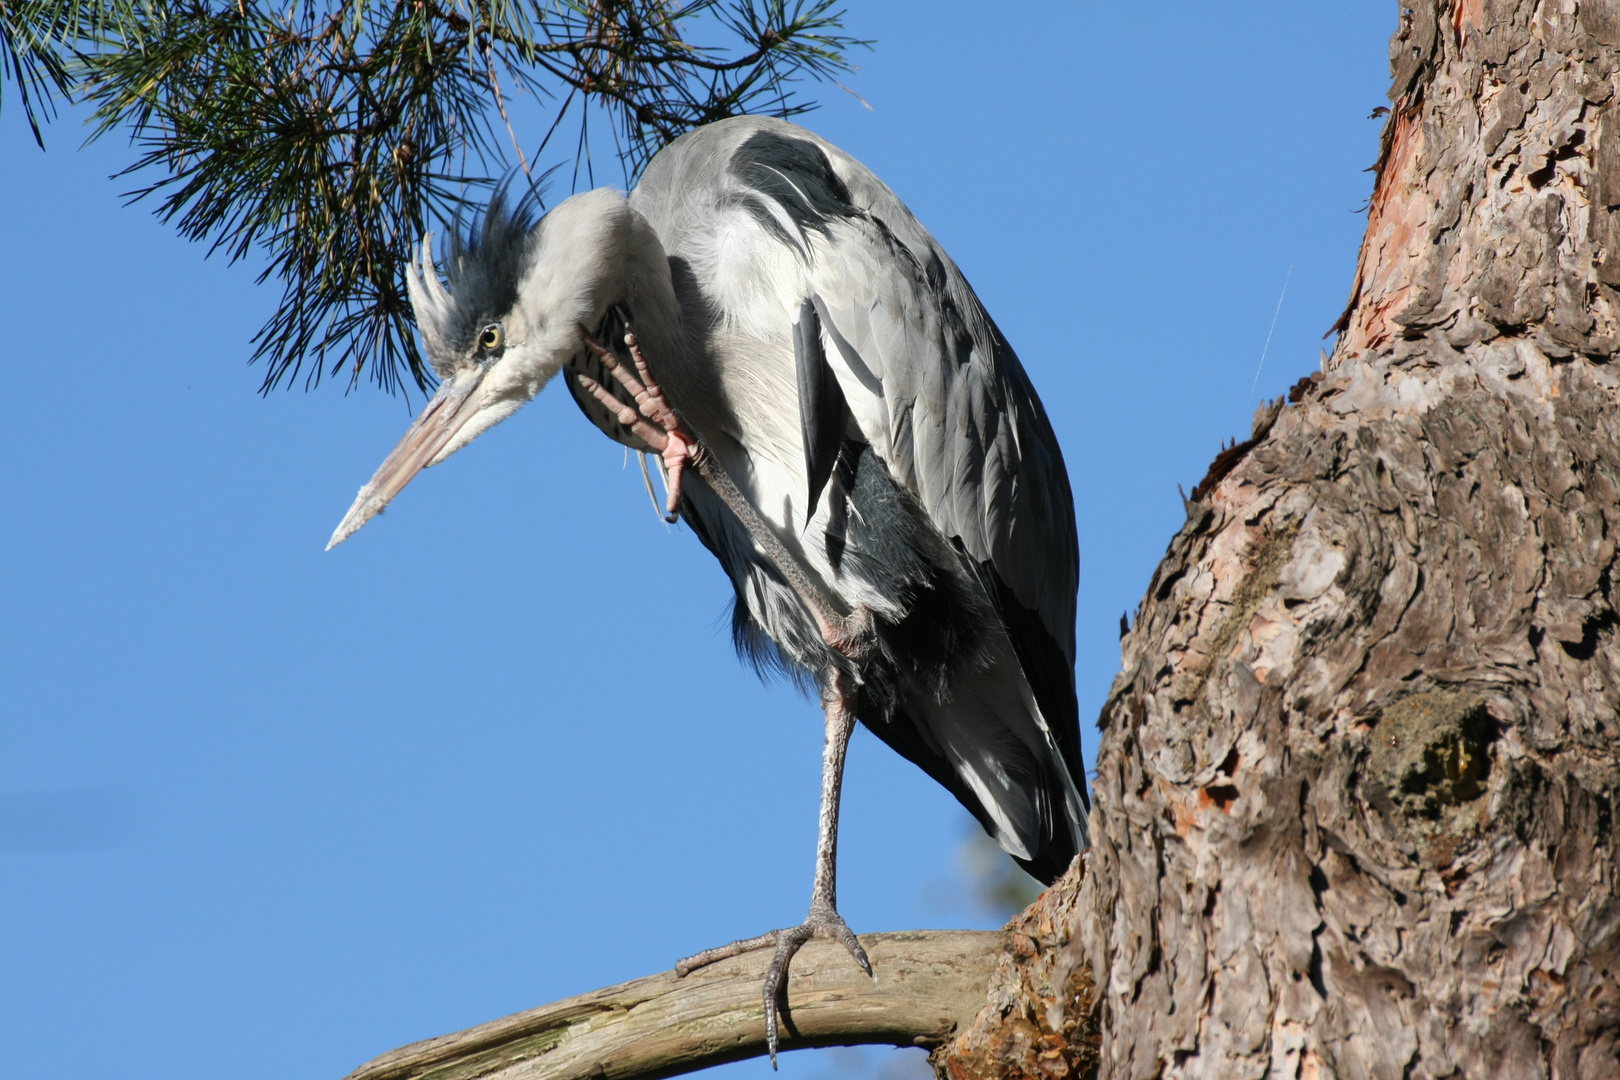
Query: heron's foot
x: 824, y: 921
x: 653, y: 420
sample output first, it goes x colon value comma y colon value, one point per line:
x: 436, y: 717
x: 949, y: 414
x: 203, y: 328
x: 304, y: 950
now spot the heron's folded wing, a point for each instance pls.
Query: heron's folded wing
x: 943, y: 399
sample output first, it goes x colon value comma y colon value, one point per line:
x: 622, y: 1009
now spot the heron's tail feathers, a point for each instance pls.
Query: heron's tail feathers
x: 991, y: 748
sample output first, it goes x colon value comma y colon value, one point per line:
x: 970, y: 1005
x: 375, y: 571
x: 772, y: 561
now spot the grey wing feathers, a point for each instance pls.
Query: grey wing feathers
x: 961, y: 427
x: 958, y: 423
x: 929, y: 383
x: 964, y: 428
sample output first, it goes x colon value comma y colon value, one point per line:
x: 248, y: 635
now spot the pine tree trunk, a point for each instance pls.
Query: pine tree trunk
x: 1357, y: 777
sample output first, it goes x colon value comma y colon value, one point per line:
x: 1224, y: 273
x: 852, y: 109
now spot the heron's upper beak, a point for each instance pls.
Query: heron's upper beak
x: 457, y: 401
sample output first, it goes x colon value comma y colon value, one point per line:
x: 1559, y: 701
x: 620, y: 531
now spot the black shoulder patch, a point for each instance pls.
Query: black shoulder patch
x: 796, y: 175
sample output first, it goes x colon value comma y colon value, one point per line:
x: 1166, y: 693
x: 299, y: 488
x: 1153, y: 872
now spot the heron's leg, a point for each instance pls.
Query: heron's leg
x: 850, y: 636
x: 823, y: 921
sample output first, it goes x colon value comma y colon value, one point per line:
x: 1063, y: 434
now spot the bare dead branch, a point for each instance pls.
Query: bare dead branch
x: 929, y: 985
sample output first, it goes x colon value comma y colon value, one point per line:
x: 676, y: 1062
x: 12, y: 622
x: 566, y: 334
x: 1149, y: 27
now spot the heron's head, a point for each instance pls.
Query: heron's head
x: 509, y: 319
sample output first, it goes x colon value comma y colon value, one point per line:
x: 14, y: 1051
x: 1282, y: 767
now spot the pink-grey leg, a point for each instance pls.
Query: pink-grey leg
x: 823, y: 920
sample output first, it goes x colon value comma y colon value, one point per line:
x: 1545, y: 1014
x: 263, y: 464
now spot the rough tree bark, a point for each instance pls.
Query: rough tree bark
x: 1357, y: 777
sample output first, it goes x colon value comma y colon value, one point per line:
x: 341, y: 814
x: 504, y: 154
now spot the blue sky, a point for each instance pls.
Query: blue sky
x: 270, y: 811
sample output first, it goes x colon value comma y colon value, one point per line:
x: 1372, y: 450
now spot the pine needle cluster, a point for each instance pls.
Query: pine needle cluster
x: 330, y: 134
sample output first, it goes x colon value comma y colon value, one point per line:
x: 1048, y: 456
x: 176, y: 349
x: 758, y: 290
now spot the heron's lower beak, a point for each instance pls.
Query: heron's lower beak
x: 456, y: 402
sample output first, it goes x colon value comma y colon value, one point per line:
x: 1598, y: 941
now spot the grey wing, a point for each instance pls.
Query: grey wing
x: 761, y: 216
x: 939, y: 393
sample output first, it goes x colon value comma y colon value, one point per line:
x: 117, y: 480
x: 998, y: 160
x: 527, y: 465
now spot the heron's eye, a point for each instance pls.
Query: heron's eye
x: 489, y: 339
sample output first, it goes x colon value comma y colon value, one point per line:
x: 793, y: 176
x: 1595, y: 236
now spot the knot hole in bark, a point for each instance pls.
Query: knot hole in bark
x: 1429, y: 767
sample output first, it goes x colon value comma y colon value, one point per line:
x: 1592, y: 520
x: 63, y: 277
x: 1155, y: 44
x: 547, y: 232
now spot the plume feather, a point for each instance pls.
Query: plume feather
x: 429, y: 300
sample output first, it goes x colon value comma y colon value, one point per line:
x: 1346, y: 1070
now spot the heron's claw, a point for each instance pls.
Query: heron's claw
x: 653, y: 420
x: 823, y: 921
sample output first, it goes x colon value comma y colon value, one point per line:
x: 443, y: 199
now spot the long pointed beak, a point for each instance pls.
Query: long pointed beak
x: 456, y: 402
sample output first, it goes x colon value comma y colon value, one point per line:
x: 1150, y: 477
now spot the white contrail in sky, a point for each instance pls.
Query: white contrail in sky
x: 1273, y: 330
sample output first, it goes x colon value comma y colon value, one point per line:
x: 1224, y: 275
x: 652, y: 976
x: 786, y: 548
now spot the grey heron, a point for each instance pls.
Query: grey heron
x: 873, y: 468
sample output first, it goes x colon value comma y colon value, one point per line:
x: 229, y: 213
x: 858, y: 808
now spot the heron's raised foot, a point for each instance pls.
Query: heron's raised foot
x: 823, y: 921
x: 653, y: 420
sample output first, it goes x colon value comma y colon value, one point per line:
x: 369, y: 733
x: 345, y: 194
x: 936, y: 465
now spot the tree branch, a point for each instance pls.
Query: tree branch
x: 930, y: 984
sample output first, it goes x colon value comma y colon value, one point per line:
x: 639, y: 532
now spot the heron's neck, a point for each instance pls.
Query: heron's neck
x: 646, y: 291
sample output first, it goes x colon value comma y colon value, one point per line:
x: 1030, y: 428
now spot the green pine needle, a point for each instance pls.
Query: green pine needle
x: 327, y: 135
